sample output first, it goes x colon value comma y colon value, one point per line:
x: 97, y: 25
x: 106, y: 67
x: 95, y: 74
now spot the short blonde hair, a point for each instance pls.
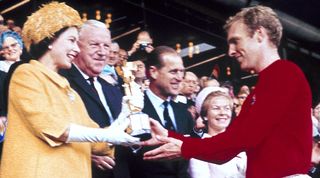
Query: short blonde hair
x: 259, y: 16
x: 207, y: 102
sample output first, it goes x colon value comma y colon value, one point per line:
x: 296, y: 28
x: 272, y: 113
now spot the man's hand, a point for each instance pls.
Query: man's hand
x: 193, y: 111
x: 103, y: 162
x: 156, y: 130
x: 200, y: 123
x: 149, y: 48
x: 171, y: 150
x: 134, y: 48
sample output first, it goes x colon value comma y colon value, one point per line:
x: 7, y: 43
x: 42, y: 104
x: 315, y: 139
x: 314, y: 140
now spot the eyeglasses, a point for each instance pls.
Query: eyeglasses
x: 13, y: 45
x: 191, y: 82
x: 125, y: 57
x: 114, y: 52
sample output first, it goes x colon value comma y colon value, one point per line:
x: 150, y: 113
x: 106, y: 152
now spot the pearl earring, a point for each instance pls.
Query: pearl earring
x: 50, y: 47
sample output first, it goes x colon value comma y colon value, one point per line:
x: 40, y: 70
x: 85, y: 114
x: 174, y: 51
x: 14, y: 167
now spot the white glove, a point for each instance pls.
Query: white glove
x: 115, y: 136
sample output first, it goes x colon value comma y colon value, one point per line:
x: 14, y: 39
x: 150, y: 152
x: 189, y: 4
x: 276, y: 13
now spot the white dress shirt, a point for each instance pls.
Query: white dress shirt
x: 157, y: 103
x: 98, y: 87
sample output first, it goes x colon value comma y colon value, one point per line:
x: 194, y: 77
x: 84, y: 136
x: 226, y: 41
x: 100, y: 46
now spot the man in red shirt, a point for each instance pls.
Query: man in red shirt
x: 274, y: 126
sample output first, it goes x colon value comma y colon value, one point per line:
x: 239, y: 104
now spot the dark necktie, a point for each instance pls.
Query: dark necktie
x: 167, y: 120
x: 91, y: 81
x: 114, y: 76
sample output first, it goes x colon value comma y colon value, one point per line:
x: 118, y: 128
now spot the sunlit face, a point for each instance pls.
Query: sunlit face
x: 167, y: 79
x: 65, y: 49
x: 242, y: 47
x: 94, y: 44
x: 11, y: 49
x: 219, y: 114
x: 114, y: 55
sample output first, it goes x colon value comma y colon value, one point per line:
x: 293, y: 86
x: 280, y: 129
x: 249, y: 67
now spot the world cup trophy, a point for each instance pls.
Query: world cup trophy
x: 139, y: 121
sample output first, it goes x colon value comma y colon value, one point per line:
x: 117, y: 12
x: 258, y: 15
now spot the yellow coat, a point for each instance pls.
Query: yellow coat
x: 41, y: 107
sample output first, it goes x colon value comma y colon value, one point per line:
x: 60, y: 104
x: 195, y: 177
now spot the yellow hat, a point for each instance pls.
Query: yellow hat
x: 49, y: 19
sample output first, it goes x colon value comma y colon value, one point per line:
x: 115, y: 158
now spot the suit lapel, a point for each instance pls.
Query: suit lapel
x: 108, y: 94
x: 149, y: 109
x: 83, y: 84
x: 177, y: 115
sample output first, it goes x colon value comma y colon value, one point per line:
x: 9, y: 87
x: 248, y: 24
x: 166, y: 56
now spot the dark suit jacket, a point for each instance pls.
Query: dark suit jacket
x: 130, y: 165
x: 94, y: 106
x: 3, y: 107
x: 120, y: 83
x: 91, y: 100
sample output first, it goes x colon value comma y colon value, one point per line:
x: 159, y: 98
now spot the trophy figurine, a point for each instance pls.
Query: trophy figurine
x: 139, y: 121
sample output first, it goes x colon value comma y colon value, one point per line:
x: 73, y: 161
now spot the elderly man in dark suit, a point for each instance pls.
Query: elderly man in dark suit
x: 165, y: 71
x: 102, y: 100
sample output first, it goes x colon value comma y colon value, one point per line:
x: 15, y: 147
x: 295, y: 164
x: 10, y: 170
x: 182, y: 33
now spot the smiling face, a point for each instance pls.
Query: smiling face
x: 94, y: 43
x: 244, y: 48
x: 219, y: 114
x: 165, y: 80
x: 217, y: 110
x: 11, y: 49
x: 65, y: 49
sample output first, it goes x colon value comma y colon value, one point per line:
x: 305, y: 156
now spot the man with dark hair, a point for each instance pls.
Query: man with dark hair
x: 165, y: 70
x: 274, y: 124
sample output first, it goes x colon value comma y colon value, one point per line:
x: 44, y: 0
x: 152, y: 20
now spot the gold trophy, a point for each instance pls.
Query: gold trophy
x: 139, y: 121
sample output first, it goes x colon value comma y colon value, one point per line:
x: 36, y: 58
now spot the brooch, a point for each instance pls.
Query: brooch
x: 71, y: 95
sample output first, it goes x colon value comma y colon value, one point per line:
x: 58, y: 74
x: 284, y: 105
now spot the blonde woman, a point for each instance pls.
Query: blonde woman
x: 215, y: 108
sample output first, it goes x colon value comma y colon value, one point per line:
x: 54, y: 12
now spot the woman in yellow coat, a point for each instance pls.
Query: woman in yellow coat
x: 49, y: 131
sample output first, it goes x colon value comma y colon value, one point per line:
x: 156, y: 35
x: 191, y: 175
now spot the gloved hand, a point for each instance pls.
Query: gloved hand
x: 120, y: 137
x: 78, y: 133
